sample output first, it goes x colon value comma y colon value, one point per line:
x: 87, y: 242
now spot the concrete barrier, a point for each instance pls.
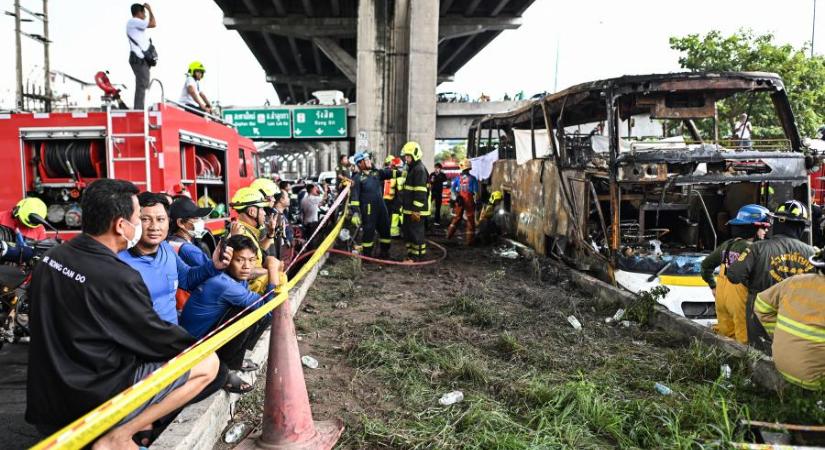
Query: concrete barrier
x: 200, y: 425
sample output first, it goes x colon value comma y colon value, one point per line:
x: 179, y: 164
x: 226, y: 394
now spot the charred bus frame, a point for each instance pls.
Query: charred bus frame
x: 588, y: 198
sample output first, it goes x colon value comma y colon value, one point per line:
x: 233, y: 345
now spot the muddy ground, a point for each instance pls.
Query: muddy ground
x: 391, y: 341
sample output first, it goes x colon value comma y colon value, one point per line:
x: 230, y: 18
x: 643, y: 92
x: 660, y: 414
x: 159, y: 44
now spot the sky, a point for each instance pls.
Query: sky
x: 594, y: 38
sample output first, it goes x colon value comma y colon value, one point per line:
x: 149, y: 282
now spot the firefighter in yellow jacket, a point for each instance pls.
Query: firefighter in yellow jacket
x: 793, y: 312
x: 415, y: 202
x: 391, y: 198
x: 750, y: 224
x: 250, y: 205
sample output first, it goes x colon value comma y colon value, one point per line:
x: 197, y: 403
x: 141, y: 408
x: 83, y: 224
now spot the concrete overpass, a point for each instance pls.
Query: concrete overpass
x: 368, y: 49
x: 309, y: 157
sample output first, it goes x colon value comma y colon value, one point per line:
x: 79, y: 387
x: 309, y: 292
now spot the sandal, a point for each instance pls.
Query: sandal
x: 143, y: 438
x: 249, y: 366
x: 236, y: 385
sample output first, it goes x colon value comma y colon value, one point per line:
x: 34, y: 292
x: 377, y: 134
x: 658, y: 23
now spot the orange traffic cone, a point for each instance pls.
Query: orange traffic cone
x: 287, y: 421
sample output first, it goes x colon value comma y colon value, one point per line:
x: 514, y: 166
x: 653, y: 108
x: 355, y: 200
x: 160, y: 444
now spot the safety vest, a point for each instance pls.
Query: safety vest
x: 389, y: 188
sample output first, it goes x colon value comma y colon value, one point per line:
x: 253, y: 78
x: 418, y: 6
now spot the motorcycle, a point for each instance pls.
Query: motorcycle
x: 20, y: 257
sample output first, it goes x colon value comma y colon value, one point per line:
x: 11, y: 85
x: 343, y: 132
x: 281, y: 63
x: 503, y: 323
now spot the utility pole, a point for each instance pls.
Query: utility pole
x: 813, y: 31
x: 47, y: 84
x: 18, y: 53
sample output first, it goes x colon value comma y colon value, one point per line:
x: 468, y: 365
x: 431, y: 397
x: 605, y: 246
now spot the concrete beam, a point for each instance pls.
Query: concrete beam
x: 343, y: 61
x: 311, y: 81
x: 450, y: 27
x: 423, y: 76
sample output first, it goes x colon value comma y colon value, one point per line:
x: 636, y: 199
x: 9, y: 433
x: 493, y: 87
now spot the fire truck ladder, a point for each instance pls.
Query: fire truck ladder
x: 113, y: 139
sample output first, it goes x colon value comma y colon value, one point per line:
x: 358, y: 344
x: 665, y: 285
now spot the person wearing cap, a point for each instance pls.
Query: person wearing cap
x: 793, y: 313
x: 770, y: 261
x: 750, y: 224
x: 22, y: 218
x: 249, y: 205
x: 187, y: 226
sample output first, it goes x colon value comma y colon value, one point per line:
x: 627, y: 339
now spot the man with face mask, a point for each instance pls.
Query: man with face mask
x: 187, y: 226
x: 93, y: 329
x: 163, y: 271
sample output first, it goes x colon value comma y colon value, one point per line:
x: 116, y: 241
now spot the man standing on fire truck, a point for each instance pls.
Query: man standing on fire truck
x: 139, y: 43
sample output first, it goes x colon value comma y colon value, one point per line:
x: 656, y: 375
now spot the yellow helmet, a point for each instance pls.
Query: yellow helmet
x: 268, y: 187
x: 413, y: 149
x: 496, y: 196
x: 388, y: 160
x: 246, y: 197
x: 465, y: 164
x: 196, y: 65
x: 28, y: 206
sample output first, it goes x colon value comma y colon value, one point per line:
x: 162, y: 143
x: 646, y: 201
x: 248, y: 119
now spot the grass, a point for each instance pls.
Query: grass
x: 522, y: 393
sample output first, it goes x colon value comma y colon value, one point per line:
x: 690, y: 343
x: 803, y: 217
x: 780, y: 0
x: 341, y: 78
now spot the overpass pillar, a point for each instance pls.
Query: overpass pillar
x: 397, y: 76
x: 423, y: 62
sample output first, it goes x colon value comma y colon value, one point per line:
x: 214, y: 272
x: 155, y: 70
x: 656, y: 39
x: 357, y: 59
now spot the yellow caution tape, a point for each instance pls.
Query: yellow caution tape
x: 682, y: 280
x: 85, y: 429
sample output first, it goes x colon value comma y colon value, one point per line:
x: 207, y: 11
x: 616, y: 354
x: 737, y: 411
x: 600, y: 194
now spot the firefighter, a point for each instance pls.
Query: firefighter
x: 466, y: 192
x: 793, y: 313
x: 26, y: 217
x: 487, y: 227
x: 391, y: 198
x: 415, y: 204
x: 750, y: 224
x: 770, y: 261
x: 368, y: 209
x: 249, y: 204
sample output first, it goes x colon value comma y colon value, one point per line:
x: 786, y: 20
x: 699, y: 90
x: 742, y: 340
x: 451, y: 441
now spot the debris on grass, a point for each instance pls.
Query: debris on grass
x: 341, y: 305
x: 309, y: 361
x: 235, y: 433
x: 451, y: 398
x: 662, y: 389
x: 574, y: 322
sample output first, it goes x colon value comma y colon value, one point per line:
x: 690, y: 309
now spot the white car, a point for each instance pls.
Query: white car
x: 329, y: 177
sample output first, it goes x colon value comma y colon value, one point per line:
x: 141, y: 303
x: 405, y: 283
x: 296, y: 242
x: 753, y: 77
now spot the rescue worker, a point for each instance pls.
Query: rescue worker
x: 750, y: 224
x: 770, y: 261
x: 436, y: 182
x: 26, y: 217
x: 367, y: 205
x: 487, y: 227
x: 415, y: 204
x: 192, y: 95
x: 391, y: 198
x: 250, y: 204
x: 268, y: 189
x: 793, y: 313
x: 343, y: 173
x: 466, y: 191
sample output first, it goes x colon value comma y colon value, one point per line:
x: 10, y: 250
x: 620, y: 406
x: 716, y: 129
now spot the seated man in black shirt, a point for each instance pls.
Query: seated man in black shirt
x: 93, y: 329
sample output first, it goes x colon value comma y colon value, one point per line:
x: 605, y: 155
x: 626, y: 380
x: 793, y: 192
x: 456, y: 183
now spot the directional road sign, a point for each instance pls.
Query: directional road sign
x: 319, y: 122
x: 260, y: 123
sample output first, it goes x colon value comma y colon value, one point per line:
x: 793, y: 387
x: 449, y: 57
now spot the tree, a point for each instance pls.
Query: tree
x: 744, y: 51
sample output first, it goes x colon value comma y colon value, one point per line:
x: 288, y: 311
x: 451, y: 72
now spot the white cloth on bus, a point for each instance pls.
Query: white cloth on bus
x: 136, y: 30
x: 187, y: 99
x: 483, y: 165
x: 524, y: 148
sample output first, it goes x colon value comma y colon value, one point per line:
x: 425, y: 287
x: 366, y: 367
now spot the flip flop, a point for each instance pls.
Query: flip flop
x: 236, y: 385
x: 250, y: 366
x: 143, y: 438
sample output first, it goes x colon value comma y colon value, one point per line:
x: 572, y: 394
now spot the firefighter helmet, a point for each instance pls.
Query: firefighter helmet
x: 246, y: 197
x: 792, y: 211
x: 360, y: 156
x: 465, y: 164
x: 266, y: 186
x: 28, y: 206
x: 756, y: 215
x: 388, y: 160
x: 196, y: 65
x: 496, y: 196
x: 413, y: 149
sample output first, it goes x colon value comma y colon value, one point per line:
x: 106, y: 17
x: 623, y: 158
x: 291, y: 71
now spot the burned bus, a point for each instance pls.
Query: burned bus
x: 634, y: 179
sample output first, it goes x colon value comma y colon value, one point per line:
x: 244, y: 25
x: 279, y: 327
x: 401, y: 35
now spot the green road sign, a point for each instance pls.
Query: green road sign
x: 260, y: 123
x: 319, y: 122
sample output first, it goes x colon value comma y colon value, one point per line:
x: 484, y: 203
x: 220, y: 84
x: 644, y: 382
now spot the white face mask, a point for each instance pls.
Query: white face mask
x: 198, y: 229
x: 136, y: 238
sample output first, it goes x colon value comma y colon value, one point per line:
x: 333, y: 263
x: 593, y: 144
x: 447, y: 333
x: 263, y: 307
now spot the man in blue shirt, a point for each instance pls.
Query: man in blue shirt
x: 186, y: 224
x: 161, y: 269
x: 223, y: 296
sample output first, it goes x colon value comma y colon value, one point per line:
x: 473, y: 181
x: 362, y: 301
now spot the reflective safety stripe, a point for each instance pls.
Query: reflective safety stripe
x: 385, y: 241
x: 800, y: 330
x: 811, y: 384
x: 369, y: 208
x: 421, y: 213
x: 762, y: 306
x: 407, y: 187
x: 367, y: 244
x: 417, y: 203
x: 355, y: 203
x: 770, y: 327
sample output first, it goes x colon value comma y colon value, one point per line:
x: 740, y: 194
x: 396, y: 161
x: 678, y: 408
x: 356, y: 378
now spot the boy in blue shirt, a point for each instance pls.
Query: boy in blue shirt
x: 186, y: 225
x: 161, y: 269
x: 223, y: 296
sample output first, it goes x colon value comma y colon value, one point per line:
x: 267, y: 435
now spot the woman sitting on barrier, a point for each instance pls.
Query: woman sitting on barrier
x: 221, y: 298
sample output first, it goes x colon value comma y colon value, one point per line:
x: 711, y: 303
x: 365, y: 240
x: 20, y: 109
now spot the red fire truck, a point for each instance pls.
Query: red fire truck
x: 54, y: 156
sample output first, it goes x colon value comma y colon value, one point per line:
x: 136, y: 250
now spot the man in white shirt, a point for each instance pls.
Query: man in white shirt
x: 192, y: 95
x: 138, y: 43
x: 742, y: 130
x: 309, y: 208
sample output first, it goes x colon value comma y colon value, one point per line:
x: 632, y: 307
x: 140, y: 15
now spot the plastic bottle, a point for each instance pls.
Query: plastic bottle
x: 662, y: 389
x: 451, y: 397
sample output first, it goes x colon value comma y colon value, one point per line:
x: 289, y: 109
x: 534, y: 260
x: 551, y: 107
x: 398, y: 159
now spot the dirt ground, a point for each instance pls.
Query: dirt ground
x: 392, y: 340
